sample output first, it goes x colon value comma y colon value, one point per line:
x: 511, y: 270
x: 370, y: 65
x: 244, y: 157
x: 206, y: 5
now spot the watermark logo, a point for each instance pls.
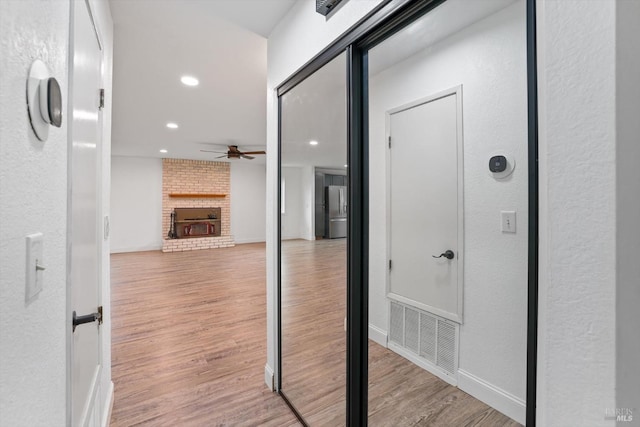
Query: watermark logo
x: 619, y: 414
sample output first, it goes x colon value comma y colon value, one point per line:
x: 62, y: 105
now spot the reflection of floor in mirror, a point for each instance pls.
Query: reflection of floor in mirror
x: 400, y: 393
x: 403, y: 394
x: 189, y: 347
x: 313, y: 335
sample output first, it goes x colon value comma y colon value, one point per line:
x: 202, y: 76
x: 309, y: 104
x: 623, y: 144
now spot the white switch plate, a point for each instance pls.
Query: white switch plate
x: 34, y: 275
x: 508, y: 221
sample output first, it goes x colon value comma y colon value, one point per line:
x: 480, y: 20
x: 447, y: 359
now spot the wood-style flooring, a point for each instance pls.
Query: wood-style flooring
x: 188, y: 345
x: 189, y: 339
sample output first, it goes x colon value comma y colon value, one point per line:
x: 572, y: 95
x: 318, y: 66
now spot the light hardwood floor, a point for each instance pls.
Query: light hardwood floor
x: 188, y: 345
x: 188, y: 339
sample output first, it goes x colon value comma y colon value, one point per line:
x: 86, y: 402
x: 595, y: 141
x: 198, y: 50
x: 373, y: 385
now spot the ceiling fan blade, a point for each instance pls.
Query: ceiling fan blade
x: 220, y: 157
x: 211, y: 151
x: 255, y: 152
x: 244, y: 156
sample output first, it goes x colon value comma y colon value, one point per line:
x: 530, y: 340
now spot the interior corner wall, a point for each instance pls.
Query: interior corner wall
x: 628, y: 207
x: 297, y: 38
x: 33, y: 198
x: 493, y: 337
x: 136, y: 192
x: 577, y: 193
x: 248, y: 202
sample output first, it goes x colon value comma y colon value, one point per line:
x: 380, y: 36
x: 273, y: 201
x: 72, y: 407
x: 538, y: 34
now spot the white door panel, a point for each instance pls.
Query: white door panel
x: 84, y: 249
x: 425, y: 205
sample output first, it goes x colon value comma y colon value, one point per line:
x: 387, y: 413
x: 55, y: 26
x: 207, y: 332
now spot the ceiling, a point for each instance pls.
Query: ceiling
x: 222, y: 43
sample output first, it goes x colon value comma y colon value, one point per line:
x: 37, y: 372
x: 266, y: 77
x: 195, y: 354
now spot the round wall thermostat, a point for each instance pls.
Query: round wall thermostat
x: 501, y: 165
x: 44, y: 100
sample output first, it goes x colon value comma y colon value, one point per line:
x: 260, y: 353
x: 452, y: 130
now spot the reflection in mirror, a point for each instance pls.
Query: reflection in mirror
x: 448, y: 255
x: 313, y: 245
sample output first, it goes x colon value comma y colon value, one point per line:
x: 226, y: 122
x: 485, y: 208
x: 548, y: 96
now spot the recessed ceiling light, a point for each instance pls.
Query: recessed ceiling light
x: 346, y: 166
x: 163, y: 151
x: 313, y: 142
x: 171, y: 125
x: 189, y: 80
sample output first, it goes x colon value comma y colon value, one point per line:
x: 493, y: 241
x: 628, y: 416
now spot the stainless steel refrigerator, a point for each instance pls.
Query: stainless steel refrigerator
x: 336, y: 211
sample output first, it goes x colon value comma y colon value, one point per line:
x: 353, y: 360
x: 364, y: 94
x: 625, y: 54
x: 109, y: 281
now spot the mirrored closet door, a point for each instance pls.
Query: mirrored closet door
x: 313, y: 245
x: 447, y: 112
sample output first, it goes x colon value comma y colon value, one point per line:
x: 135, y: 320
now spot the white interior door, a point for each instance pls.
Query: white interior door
x: 84, y: 250
x: 425, y: 161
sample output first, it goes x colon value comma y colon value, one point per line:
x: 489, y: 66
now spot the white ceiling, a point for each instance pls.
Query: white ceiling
x: 222, y: 43
x: 316, y: 109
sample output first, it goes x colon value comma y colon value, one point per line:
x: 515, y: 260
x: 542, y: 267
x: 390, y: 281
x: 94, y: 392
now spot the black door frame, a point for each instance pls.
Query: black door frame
x: 383, y: 21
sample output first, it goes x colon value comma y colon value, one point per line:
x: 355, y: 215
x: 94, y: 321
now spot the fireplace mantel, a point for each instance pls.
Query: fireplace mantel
x: 197, y: 195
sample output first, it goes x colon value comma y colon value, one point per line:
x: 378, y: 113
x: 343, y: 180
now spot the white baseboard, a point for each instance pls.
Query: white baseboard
x: 493, y: 396
x: 435, y: 370
x: 378, y: 335
x: 106, y: 418
x: 143, y: 248
x: 250, y: 240
x: 269, y: 378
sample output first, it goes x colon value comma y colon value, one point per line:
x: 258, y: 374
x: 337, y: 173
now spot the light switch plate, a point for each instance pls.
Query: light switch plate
x: 35, y: 265
x: 508, y: 221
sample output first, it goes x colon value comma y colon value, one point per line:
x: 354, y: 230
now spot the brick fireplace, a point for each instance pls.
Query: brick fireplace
x: 203, y: 187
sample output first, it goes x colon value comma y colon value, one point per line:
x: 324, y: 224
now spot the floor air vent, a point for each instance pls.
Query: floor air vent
x: 424, y: 338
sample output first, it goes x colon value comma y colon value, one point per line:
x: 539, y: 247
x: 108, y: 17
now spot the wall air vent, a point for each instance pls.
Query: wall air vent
x: 324, y: 7
x: 427, y: 340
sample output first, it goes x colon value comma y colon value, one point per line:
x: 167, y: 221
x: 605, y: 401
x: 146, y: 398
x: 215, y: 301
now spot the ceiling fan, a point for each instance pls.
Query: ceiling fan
x: 234, y: 153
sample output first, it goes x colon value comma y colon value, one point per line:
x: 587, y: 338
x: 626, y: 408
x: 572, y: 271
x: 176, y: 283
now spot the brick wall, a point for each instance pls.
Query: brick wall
x: 196, y: 177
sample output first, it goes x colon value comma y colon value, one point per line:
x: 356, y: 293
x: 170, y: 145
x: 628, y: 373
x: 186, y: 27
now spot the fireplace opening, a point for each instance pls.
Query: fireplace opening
x: 195, y: 222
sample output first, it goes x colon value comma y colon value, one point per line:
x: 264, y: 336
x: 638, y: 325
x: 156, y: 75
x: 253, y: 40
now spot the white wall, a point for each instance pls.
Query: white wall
x: 300, y: 35
x: 628, y: 206
x: 577, y: 313
x: 293, y: 203
x: 33, y: 198
x: 489, y: 60
x: 248, y: 202
x: 136, y: 192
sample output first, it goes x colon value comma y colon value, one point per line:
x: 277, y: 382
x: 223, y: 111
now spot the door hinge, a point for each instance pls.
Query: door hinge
x: 390, y: 264
x: 101, y: 102
x: 389, y: 142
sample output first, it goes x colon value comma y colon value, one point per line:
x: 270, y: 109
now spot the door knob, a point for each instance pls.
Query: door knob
x: 88, y: 318
x: 448, y: 254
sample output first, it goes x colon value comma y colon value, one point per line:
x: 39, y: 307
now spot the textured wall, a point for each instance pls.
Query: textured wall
x: 576, y: 361
x: 196, y: 177
x: 628, y: 206
x: 33, y: 198
x: 488, y: 59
